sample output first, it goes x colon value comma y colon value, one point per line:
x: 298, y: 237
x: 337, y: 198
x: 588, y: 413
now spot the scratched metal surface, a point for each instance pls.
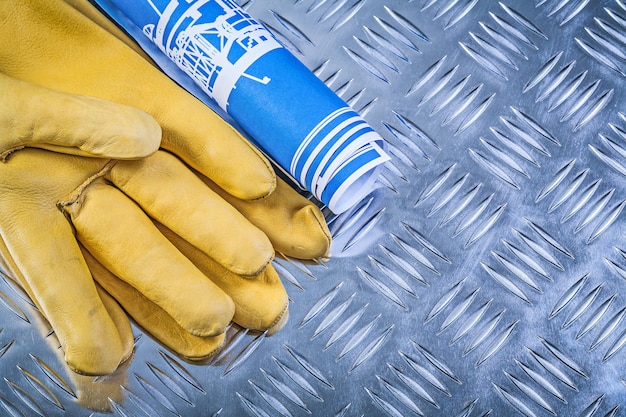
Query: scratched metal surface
x: 487, y: 274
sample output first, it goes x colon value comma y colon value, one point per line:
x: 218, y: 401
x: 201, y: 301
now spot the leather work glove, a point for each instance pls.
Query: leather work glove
x: 51, y: 44
x: 157, y: 237
x: 180, y: 258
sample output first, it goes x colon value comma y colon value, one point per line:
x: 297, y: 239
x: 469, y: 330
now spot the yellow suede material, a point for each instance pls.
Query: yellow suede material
x: 260, y: 302
x: 118, y: 315
x: 83, y: 184
x: 39, y: 243
x: 148, y: 261
x: 174, y: 196
x: 295, y: 226
x: 152, y: 318
x: 66, y: 51
x: 32, y: 116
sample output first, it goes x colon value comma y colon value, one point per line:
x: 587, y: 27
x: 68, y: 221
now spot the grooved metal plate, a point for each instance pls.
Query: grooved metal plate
x: 485, y: 276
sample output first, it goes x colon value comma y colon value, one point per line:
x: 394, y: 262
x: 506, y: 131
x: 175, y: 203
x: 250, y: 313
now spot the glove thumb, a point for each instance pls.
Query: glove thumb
x: 34, y: 116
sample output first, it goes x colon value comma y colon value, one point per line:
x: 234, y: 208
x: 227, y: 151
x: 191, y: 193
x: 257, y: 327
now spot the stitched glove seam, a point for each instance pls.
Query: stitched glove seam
x: 76, y: 195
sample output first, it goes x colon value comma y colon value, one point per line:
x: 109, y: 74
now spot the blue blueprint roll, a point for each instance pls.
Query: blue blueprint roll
x: 288, y: 112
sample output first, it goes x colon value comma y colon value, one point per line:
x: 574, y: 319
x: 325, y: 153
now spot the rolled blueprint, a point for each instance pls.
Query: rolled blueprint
x: 290, y: 114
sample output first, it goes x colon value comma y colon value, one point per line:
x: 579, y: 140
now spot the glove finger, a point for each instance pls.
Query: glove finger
x: 49, y: 266
x: 152, y: 318
x: 295, y: 226
x: 260, y: 303
x: 99, y: 65
x: 124, y: 240
x: 35, y: 116
x: 120, y: 319
x: 172, y: 194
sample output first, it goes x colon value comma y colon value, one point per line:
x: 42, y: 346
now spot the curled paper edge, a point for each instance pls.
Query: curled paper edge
x: 355, y: 189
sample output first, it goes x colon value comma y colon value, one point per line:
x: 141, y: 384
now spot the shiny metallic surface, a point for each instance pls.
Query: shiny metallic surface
x: 486, y: 274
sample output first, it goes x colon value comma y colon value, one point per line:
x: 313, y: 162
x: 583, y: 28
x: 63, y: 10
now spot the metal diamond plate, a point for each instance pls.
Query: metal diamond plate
x: 485, y: 276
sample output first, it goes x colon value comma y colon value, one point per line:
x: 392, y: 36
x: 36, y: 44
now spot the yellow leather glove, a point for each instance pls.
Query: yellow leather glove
x: 70, y: 46
x: 64, y: 51
x: 177, y: 272
x: 40, y: 188
x: 51, y: 44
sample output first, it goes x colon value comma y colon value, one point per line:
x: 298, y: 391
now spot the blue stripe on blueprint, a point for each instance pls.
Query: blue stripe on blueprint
x: 340, y: 177
x: 333, y: 150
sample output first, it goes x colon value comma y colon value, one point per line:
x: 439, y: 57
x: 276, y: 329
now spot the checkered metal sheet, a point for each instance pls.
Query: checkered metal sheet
x: 486, y: 274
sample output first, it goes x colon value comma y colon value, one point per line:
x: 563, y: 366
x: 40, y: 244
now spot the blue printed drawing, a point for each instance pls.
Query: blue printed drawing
x: 291, y: 115
x: 214, y: 42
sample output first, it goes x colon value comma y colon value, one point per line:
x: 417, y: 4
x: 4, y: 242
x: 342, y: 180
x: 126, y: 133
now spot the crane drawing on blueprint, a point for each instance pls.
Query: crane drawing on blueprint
x: 212, y: 41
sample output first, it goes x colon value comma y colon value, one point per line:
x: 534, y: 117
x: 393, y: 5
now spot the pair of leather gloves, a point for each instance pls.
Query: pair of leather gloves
x: 118, y: 188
